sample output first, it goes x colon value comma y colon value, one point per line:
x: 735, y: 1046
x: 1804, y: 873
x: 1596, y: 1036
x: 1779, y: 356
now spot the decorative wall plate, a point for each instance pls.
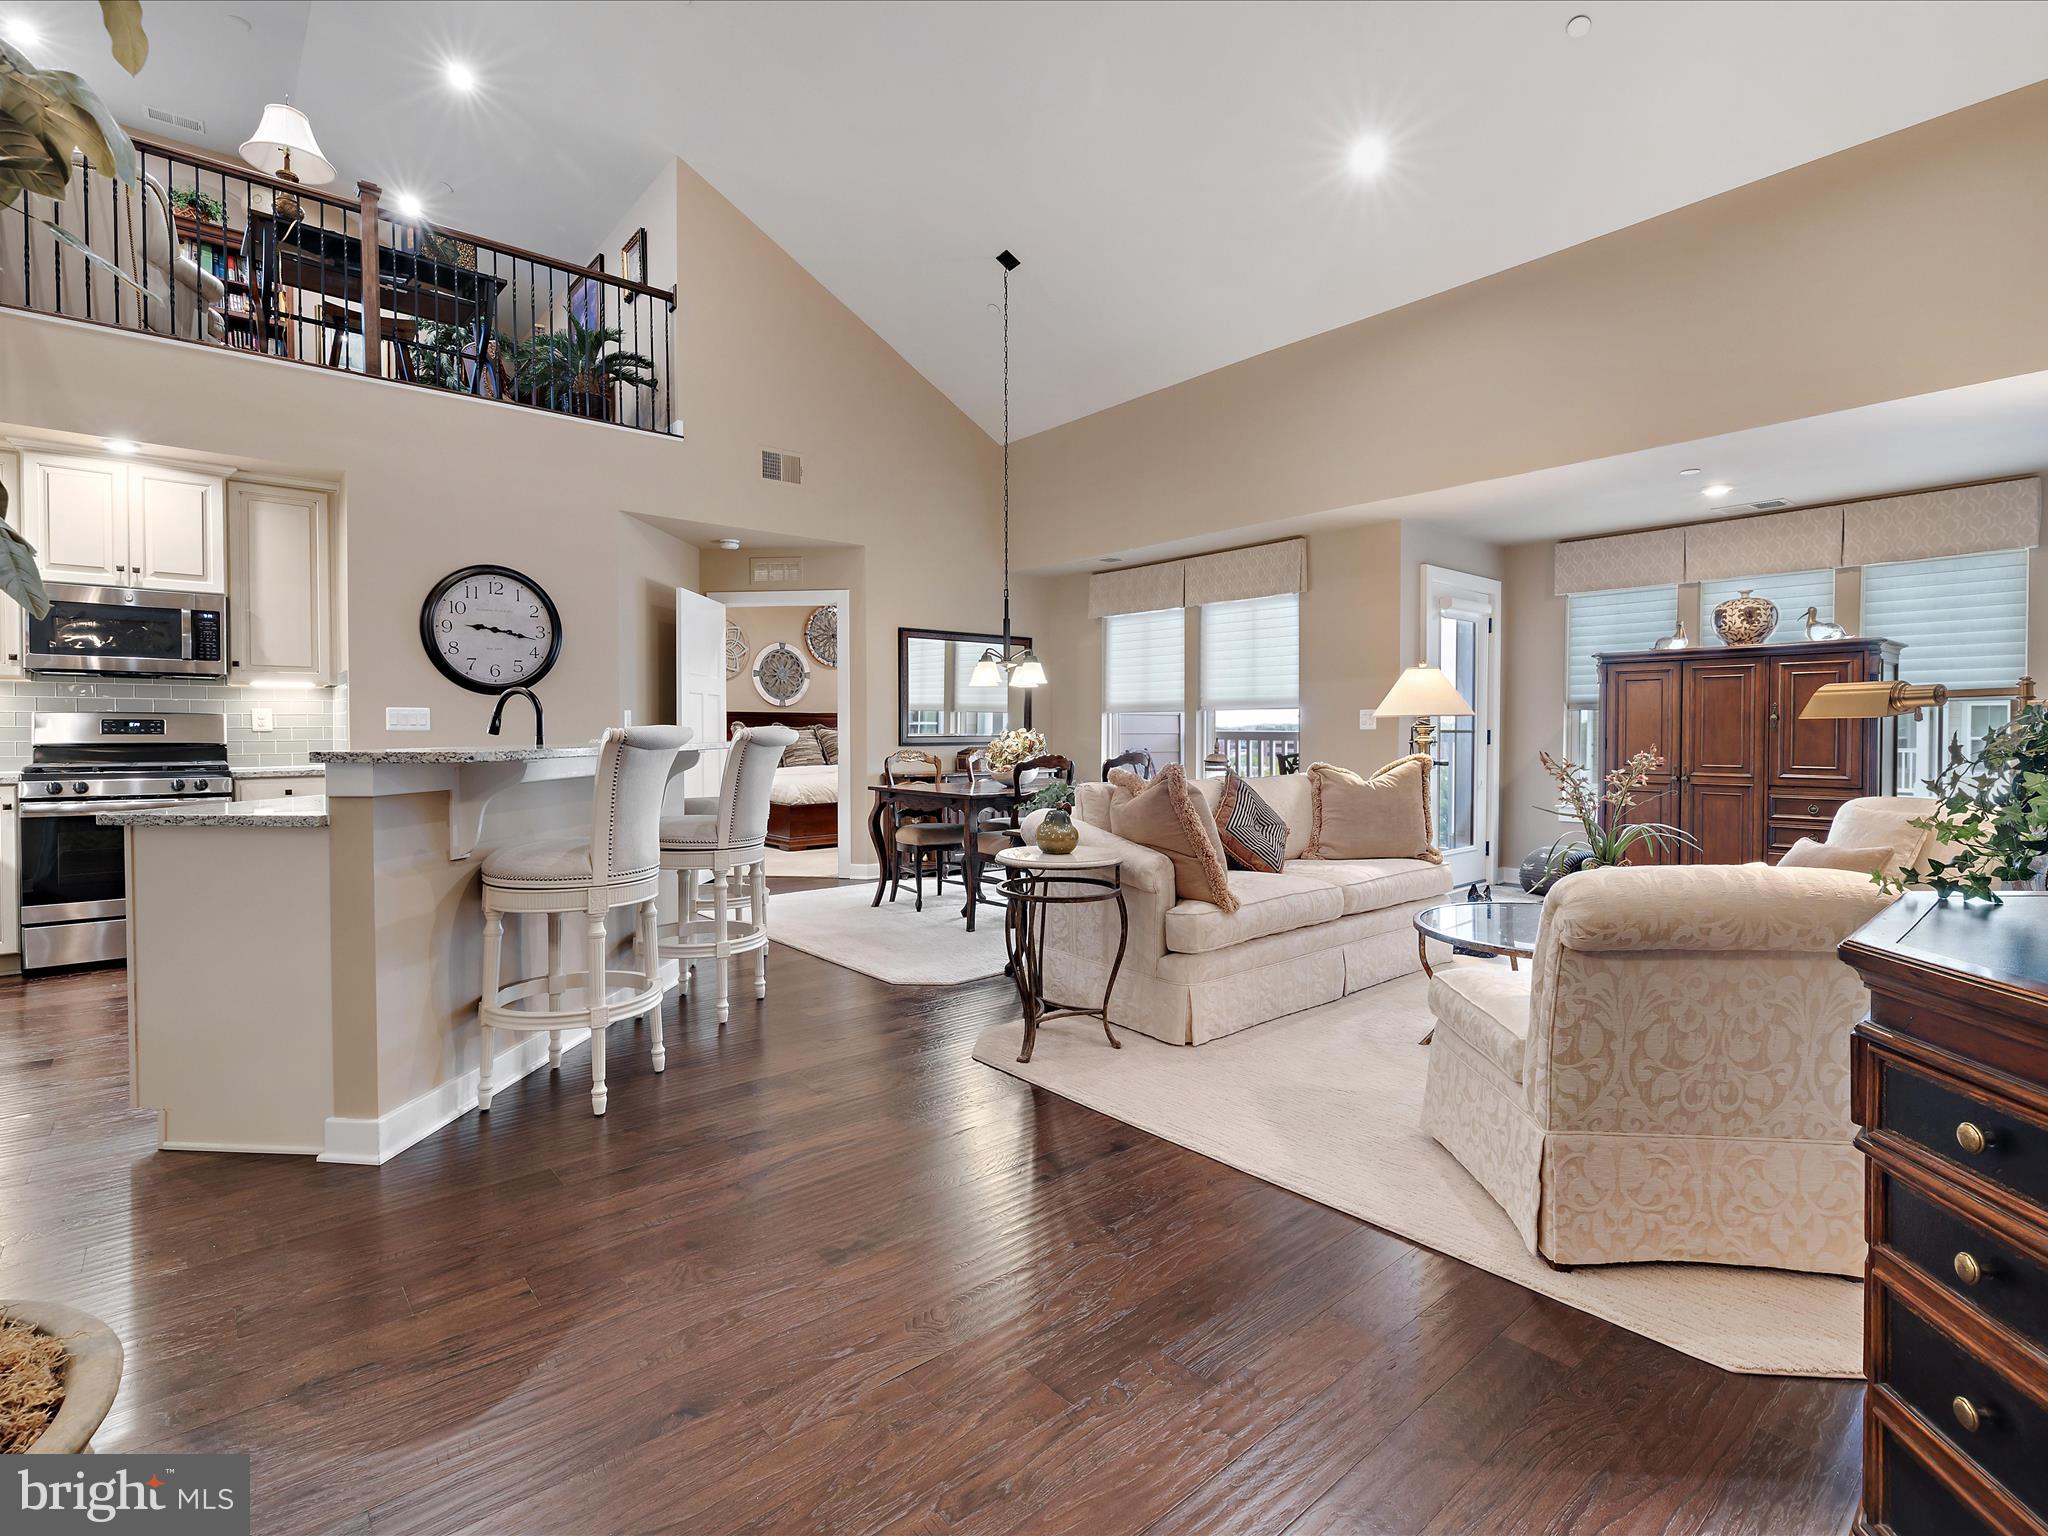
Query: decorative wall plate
x: 821, y: 635
x: 780, y: 674
x: 735, y: 649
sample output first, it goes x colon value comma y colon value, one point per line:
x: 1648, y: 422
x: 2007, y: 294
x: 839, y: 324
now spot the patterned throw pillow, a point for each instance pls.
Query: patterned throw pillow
x: 1253, y: 834
x: 828, y: 741
x: 803, y: 752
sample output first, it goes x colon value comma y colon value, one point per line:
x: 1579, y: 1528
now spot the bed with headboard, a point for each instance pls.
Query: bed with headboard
x: 803, y: 808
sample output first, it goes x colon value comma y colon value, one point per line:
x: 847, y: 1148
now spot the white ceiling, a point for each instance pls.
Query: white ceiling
x: 1171, y: 174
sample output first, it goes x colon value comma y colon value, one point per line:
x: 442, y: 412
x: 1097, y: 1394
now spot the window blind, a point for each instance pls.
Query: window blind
x: 926, y: 679
x: 1962, y: 620
x: 1251, y: 653
x: 1624, y: 620
x: 965, y: 695
x: 1144, y: 662
x: 1793, y: 591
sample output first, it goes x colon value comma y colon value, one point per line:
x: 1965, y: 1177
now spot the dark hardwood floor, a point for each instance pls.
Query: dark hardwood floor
x: 828, y: 1274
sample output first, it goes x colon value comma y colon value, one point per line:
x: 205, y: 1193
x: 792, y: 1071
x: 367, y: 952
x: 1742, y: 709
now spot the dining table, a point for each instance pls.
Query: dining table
x: 963, y: 798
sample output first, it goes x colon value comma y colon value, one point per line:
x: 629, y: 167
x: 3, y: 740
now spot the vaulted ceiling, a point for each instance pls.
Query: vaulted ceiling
x: 1175, y: 177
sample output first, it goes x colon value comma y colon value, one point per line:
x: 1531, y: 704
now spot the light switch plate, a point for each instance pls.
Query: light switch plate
x: 262, y: 720
x: 1367, y: 720
x: 408, y: 717
x: 629, y: 718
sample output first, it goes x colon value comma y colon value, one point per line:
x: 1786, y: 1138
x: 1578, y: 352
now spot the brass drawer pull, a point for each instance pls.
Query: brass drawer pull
x: 1967, y: 1269
x: 1970, y: 1139
x: 1813, y: 807
x: 1968, y: 1414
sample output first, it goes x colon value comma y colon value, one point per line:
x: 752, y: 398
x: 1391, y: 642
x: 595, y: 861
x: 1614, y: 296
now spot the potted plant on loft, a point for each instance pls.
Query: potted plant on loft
x: 1993, y: 813
x: 1607, y: 835
x: 576, y: 369
x: 60, y: 1370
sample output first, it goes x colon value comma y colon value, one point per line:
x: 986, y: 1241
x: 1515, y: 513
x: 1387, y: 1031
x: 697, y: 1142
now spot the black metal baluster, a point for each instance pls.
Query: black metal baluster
x: 668, y: 364
x: 85, y: 221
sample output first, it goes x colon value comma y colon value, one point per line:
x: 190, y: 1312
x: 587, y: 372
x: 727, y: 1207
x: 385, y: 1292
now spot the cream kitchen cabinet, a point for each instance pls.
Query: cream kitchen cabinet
x: 280, y: 600
x: 111, y: 522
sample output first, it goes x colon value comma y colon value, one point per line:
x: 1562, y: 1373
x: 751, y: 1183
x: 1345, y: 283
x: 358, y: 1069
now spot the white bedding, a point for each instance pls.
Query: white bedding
x: 811, y: 784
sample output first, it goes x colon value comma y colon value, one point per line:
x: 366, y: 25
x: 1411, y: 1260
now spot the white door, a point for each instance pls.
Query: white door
x: 700, y: 683
x: 1461, y: 637
x: 77, y: 518
x: 176, y: 530
x: 278, y: 627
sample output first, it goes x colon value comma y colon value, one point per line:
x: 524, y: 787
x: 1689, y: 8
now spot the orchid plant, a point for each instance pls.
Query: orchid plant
x: 1609, y: 836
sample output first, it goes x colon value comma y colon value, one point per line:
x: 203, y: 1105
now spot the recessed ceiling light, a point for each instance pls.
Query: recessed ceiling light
x: 407, y: 205
x: 460, y: 76
x: 728, y: 543
x: 119, y: 445
x: 1368, y: 155
x: 1578, y: 26
x: 1684, y: 472
x: 23, y: 34
x: 1716, y: 490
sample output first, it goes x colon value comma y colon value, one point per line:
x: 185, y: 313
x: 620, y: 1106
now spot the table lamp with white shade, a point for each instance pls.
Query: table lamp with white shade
x: 283, y: 146
x: 1423, y: 693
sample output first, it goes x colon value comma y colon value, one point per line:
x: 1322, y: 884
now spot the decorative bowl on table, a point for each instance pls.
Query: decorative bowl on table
x: 1057, y: 833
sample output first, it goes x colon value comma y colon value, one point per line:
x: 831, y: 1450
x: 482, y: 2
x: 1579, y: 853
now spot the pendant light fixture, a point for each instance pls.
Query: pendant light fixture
x: 1007, y: 667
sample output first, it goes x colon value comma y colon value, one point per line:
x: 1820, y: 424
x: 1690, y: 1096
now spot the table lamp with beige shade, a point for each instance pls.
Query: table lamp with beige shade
x: 283, y: 146
x: 1424, y: 693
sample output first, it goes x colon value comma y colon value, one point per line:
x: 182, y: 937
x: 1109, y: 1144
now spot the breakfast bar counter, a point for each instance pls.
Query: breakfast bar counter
x: 303, y: 974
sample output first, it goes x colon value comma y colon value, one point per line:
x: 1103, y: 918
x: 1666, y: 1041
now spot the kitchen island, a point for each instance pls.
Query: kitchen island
x: 303, y: 974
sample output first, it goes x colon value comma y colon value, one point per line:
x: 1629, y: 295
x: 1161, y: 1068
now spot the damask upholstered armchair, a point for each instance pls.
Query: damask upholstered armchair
x: 1669, y: 1080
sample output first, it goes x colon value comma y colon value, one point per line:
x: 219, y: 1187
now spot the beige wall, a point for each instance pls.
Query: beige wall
x: 1906, y: 265
x: 652, y: 563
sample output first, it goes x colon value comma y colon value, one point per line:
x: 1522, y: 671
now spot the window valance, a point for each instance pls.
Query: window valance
x: 1930, y: 525
x: 1619, y: 561
x: 1809, y: 539
x: 1230, y: 576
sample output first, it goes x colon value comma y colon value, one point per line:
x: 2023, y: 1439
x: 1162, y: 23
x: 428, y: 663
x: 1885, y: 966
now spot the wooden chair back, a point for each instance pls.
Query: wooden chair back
x: 928, y: 761
x: 1138, y: 759
x: 1043, y: 769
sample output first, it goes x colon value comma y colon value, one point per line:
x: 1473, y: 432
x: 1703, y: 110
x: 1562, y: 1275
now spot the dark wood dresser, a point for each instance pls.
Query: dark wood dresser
x: 1951, y: 1089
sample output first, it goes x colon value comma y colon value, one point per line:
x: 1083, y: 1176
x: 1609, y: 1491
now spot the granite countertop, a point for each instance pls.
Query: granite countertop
x: 309, y: 812
x: 282, y: 771
x: 410, y: 755
x: 13, y: 777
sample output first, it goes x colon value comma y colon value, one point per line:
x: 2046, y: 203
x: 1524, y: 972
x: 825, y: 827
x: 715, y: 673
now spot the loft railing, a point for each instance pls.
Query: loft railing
x: 210, y: 251
x: 1258, y: 753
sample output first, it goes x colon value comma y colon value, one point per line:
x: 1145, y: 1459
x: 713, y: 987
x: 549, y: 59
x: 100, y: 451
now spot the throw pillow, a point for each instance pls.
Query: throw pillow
x: 828, y: 741
x: 803, y: 752
x: 1171, y: 817
x: 1808, y: 854
x: 1253, y: 834
x: 1384, y: 817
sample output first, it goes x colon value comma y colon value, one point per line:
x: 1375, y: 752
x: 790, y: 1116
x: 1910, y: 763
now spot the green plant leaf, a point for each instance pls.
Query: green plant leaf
x: 161, y: 294
x: 58, y: 109
x: 123, y: 20
x: 19, y: 578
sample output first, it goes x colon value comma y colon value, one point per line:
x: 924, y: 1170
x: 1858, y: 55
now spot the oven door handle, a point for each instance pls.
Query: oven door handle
x: 48, y: 808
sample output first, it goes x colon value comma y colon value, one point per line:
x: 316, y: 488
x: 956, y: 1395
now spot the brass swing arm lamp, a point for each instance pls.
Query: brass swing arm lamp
x: 1876, y: 701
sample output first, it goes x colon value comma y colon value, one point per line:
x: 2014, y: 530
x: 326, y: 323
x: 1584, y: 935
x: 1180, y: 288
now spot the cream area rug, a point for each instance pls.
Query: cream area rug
x: 893, y: 942
x: 1328, y: 1103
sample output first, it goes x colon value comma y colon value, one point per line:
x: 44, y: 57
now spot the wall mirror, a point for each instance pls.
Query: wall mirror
x: 935, y: 700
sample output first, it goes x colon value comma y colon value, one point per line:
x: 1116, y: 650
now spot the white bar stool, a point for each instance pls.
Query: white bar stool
x: 560, y: 877
x: 720, y: 835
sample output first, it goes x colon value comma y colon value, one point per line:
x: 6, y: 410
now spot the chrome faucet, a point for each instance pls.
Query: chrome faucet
x: 498, y: 714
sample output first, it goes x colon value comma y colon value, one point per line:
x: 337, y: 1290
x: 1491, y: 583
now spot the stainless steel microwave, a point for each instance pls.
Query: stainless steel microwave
x: 129, y: 632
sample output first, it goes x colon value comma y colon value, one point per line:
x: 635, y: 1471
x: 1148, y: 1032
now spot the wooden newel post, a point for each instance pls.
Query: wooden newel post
x: 372, y: 282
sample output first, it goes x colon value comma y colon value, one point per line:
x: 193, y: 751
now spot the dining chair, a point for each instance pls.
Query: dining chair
x: 992, y: 836
x: 1138, y: 759
x: 920, y: 835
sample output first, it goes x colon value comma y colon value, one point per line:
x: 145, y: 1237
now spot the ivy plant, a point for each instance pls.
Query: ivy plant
x: 1993, y: 813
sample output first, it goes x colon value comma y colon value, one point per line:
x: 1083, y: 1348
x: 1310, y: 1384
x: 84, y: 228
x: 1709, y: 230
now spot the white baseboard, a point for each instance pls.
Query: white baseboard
x: 866, y: 871
x: 378, y: 1141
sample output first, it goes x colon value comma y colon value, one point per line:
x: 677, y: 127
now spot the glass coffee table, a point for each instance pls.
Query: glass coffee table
x: 1480, y: 928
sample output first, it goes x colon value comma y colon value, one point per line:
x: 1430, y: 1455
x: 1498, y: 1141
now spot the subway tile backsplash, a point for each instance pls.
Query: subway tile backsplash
x: 305, y: 719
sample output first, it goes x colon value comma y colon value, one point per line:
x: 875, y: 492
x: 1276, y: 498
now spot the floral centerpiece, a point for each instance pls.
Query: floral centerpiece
x: 1993, y: 813
x: 1607, y: 834
x: 1014, y: 747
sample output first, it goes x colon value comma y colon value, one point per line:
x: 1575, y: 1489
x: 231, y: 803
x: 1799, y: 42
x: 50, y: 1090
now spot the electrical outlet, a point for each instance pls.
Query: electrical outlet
x: 400, y: 717
x: 1367, y: 720
x: 262, y: 720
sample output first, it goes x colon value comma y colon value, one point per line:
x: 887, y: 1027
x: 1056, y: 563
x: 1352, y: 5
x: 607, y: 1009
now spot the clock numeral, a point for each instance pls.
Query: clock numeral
x: 458, y: 607
x: 533, y: 610
x: 446, y: 625
x: 454, y: 649
x: 497, y: 589
x: 472, y: 663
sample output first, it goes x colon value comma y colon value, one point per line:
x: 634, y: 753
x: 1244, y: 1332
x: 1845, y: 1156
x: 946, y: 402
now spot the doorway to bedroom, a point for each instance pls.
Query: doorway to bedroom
x: 788, y: 661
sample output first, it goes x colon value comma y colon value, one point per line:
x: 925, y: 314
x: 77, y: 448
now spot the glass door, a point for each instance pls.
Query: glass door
x: 1461, y: 638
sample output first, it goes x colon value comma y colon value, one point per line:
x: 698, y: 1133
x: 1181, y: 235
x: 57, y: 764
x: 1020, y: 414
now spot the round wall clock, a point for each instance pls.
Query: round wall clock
x: 735, y: 649
x: 490, y: 628
x: 780, y: 675
x: 821, y: 635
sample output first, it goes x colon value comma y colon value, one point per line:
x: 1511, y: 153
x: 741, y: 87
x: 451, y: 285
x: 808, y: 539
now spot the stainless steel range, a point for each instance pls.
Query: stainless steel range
x: 74, y: 907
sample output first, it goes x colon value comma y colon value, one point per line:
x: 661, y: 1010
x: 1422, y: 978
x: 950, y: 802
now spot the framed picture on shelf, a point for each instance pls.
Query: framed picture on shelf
x: 586, y: 297
x: 633, y: 259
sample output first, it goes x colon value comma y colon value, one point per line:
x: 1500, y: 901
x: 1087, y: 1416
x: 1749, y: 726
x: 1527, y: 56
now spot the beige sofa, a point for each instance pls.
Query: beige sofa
x: 1669, y: 1079
x: 1192, y: 972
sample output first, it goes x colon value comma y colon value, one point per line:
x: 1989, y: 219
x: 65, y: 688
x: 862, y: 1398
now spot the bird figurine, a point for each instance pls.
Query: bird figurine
x: 1818, y: 628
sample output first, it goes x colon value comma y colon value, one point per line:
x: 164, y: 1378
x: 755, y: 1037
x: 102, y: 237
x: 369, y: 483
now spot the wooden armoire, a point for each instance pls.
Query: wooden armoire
x: 1743, y: 774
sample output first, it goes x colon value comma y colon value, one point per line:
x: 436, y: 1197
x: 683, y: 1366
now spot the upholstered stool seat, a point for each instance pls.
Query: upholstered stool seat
x: 618, y: 865
x: 725, y: 836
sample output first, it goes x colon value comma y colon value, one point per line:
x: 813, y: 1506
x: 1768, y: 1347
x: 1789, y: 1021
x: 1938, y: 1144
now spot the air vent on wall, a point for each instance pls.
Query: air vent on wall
x: 189, y: 124
x: 773, y: 570
x: 1772, y: 505
x: 786, y: 467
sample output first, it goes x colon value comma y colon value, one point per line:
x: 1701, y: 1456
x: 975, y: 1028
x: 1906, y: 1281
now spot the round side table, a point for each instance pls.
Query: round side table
x: 1037, y: 882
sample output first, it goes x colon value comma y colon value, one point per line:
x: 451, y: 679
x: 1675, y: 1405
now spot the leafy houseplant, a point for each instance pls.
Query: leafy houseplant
x: 1056, y: 796
x: 574, y: 369
x: 200, y: 205
x: 1993, y: 813
x: 1608, y: 835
